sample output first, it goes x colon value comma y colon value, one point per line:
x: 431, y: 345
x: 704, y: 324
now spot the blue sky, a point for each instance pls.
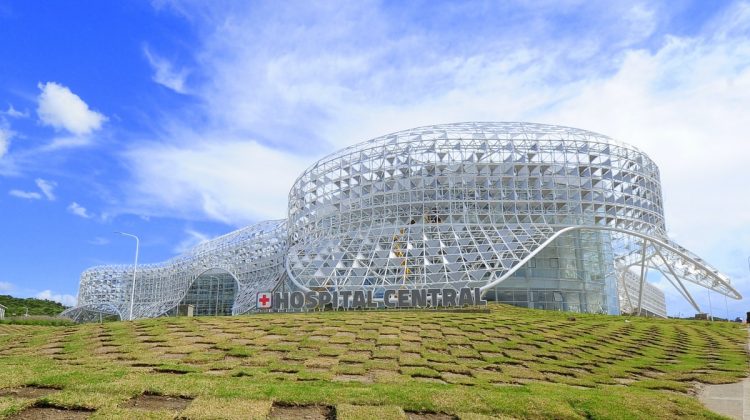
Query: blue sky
x: 180, y: 121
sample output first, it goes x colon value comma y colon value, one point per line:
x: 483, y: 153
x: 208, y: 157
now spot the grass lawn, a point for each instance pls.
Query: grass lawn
x: 507, y: 363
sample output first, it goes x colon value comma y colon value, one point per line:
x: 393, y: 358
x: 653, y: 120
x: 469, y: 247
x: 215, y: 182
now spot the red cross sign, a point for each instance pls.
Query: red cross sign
x: 264, y: 300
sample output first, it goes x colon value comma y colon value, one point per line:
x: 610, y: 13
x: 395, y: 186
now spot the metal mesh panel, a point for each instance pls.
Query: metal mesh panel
x: 253, y: 256
x: 466, y: 204
x: 453, y: 205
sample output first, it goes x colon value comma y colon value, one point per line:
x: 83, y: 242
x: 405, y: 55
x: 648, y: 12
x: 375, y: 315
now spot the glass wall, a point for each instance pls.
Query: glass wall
x: 212, y: 293
x: 574, y: 273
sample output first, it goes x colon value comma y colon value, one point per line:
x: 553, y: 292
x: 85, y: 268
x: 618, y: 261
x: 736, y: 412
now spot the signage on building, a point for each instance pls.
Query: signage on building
x: 361, y: 299
x: 264, y: 300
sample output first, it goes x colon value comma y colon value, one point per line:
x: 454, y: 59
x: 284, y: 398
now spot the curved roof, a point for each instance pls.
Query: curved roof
x: 474, y: 130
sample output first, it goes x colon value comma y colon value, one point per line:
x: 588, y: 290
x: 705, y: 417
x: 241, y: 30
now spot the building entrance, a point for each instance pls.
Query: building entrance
x: 212, y: 293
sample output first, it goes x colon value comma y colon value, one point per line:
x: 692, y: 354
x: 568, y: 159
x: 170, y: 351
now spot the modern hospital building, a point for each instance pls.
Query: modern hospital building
x: 534, y: 215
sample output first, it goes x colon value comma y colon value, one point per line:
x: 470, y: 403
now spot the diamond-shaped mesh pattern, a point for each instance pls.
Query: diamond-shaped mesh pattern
x: 460, y: 204
x: 450, y: 205
x: 253, y: 256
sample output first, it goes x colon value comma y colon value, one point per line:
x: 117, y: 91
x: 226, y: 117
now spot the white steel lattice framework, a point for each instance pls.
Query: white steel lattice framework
x: 454, y: 205
x: 253, y: 256
x: 469, y: 204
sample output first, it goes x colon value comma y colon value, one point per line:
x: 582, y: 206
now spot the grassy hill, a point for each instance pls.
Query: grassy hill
x: 17, y: 306
x: 507, y: 363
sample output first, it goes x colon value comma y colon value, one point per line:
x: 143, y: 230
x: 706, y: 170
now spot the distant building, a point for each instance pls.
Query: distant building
x: 2, y: 311
x: 653, y: 302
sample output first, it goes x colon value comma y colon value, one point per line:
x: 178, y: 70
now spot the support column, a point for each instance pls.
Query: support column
x: 684, y: 290
x: 643, y: 276
x: 622, y: 279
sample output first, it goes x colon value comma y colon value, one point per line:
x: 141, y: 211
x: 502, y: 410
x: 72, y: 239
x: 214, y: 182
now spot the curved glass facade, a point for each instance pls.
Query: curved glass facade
x: 211, y: 293
x: 572, y: 274
x: 537, y: 215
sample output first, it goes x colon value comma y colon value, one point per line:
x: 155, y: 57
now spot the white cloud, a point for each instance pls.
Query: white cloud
x: 99, y: 241
x: 79, y: 210
x: 47, y: 188
x: 6, y: 287
x: 14, y: 113
x: 641, y: 21
x: 62, y: 109
x: 165, y: 74
x: 230, y: 180
x: 66, y: 300
x: 29, y: 195
x: 65, y: 142
x: 5, y: 136
x: 193, y: 238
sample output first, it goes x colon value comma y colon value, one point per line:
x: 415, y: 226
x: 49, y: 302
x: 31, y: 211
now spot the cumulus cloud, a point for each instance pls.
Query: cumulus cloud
x: 66, y: 300
x: 60, y: 108
x: 79, y: 210
x: 164, y: 72
x: 6, y: 287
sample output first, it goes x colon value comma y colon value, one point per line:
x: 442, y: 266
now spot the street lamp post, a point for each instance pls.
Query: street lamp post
x: 135, y: 267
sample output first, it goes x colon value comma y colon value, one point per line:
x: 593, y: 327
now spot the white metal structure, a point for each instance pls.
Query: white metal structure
x: 470, y: 204
x: 251, y: 257
x: 513, y: 208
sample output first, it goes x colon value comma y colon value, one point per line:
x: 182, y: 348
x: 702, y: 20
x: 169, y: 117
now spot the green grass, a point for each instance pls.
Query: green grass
x: 37, y: 320
x: 508, y: 363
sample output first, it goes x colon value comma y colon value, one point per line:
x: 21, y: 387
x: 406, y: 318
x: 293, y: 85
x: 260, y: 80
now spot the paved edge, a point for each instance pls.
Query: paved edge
x: 731, y: 400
